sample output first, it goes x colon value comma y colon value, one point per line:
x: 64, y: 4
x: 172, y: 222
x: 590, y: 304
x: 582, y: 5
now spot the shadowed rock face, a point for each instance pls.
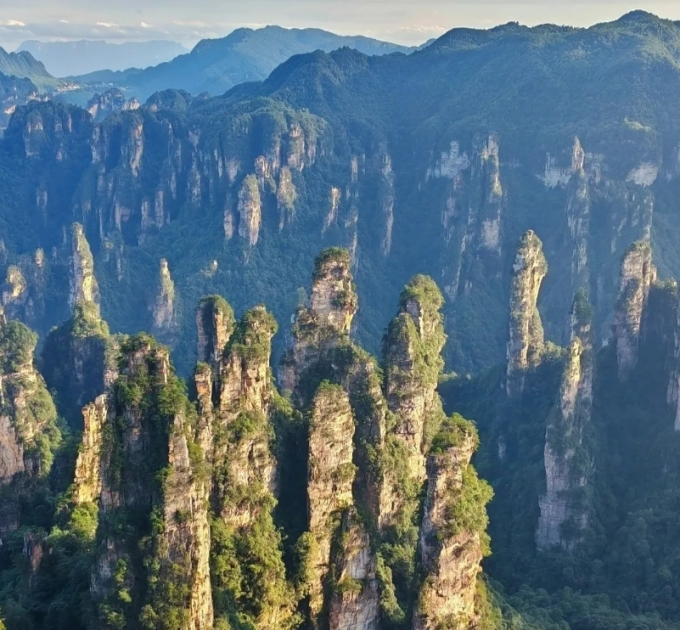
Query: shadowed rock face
x: 127, y: 442
x: 637, y: 275
x: 564, y: 446
x: 79, y: 361
x: 215, y: 324
x: 28, y: 418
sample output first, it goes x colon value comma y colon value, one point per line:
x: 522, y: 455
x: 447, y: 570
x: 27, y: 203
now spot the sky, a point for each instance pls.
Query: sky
x: 187, y: 21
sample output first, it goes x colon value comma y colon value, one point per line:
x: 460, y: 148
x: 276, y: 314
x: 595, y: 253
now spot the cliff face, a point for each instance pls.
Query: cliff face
x: 246, y: 506
x: 14, y: 91
x: 473, y: 212
x: 236, y: 394
x: 184, y: 546
x: 355, y: 601
x: 153, y: 478
x: 325, y: 323
x: 164, y: 305
x: 637, y: 275
x: 24, y: 290
x: 525, y: 346
x: 451, y: 543
x: 79, y: 360
x: 368, y: 442
x: 250, y: 211
x: 331, y: 474
x: 82, y: 281
x: 28, y: 419
x: 141, y: 181
x: 567, y: 458
x: 87, y: 478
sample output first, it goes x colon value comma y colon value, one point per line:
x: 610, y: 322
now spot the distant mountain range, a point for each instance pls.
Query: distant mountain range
x: 91, y: 69
x: 216, y: 65
x: 63, y: 59
x: 24, y: 66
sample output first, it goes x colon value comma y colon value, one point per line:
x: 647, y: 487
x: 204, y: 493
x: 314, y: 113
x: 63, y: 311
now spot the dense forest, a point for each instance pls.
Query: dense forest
x: 467, y: 419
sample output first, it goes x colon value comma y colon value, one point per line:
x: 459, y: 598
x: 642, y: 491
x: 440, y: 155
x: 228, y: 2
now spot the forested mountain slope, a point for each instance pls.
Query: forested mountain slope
x: 216, y: 65
x: 433, y: 162
x: 298, y: 482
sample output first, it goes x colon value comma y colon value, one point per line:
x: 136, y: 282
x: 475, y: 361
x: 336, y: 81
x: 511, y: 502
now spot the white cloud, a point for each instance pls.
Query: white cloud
x: 11, y: 23
x: 106, y: 24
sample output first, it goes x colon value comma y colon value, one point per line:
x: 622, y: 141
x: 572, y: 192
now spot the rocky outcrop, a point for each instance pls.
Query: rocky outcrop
x: 450, y: 547
x: 525, y: 345
x: 79, y: 361
x: 151, y: 468
x: 243, y: 460
x: 245, y: 375
x: 87, y: 479
x: 341, y: 565
x: 566, y: 457
x: 113, y: 100
x: 412, y: 363
x: 578, y: 218
x: 473, y: 210
x: 329, y: 490
x: 164, y: 308
x: 250, y: 211
x: 82, y: 280
x: 326, y: 322
x: 28, y: 419
x: 215, y: 324
x: 235, y: 419
x: 15, y: 286
x: 638, y: 273
x: 369, y: 438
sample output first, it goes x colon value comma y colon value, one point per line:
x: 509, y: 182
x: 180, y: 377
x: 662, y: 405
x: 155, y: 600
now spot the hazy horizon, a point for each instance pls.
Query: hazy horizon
x: 398, y: 21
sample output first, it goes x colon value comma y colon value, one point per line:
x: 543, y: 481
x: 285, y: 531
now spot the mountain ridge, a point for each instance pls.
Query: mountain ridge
x: 215, y: 65
x: 64, y: 59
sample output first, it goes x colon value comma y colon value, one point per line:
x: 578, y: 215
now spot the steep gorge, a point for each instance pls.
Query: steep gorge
x: 229, y: 190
